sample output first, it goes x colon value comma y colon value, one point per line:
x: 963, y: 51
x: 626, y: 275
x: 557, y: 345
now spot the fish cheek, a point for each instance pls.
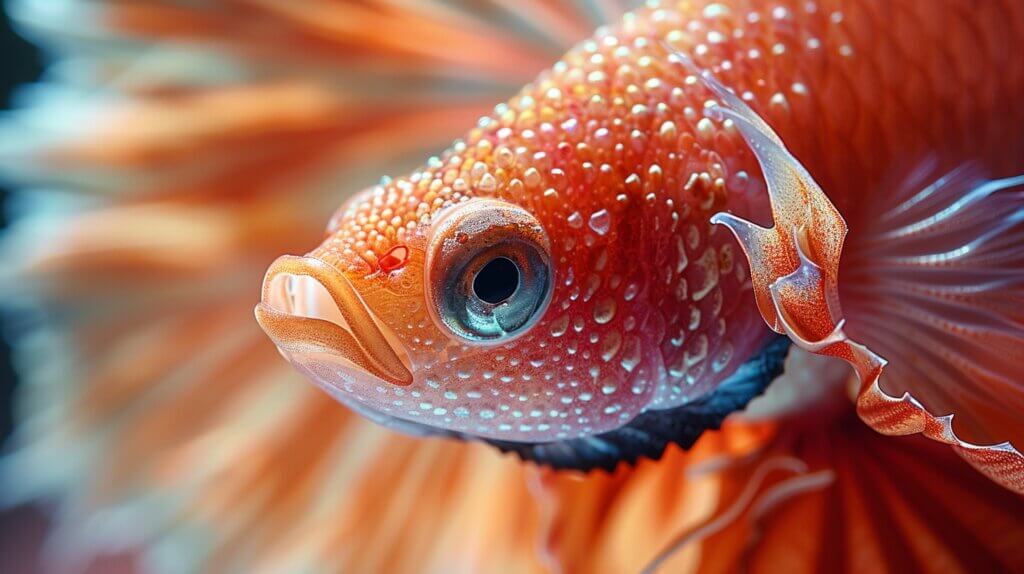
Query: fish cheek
x: 398, y: 300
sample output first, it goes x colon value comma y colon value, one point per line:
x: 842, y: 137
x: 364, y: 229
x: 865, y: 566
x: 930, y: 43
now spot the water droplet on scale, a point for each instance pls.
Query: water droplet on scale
x: 631, y: 354
x: 604, y: 311
x: 601, y: 222
x: 610, y: 346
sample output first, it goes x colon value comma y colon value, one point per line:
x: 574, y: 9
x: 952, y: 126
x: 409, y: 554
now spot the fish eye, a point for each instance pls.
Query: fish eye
x: 488, y: 274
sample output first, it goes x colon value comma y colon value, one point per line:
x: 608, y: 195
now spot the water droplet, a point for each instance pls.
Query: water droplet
x: 677, y: 369
x: 575, y: 220
x: 694, y: 374
x: 667, y: 130
x: 604, y: 311
x: 610, y: 346
x: 593, y: 283
x: 609, y: 389
x: 682, y: 290
x: 532, y: 177
x: 487, y: 184
x: 682, y: 260
x: 578, y: 324
x: 631, y: 353
x: 705, y: 278
x: 631, y: 291
x: 715, y: 10
x: 722, y: 359
x: 697, y: 350
x: 600, y: 222
x: 559, y: 326
x: 461, y: 412
x: 692, y: 237
x: 705, y: 130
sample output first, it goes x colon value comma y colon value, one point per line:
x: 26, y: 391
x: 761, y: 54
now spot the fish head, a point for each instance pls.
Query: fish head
x: 494, y: 292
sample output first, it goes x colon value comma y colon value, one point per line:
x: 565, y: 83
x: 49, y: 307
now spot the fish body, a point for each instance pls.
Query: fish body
x: 599, y: 182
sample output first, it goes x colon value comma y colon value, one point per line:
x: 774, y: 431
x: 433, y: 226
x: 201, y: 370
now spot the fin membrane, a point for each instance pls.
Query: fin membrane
x: 963, y: 301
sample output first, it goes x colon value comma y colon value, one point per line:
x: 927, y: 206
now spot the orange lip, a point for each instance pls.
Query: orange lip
x: 360, y: 341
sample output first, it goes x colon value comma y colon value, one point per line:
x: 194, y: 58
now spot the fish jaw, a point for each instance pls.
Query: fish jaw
x: 315, y: 316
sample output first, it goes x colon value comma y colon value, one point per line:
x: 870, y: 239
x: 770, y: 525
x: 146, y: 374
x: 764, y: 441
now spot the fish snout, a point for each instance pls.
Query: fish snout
x: 312, y: 312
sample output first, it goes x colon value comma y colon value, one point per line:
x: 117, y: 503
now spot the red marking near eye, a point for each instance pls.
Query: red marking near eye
x: 394, y: 259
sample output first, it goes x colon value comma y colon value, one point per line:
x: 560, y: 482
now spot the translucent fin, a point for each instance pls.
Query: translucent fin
x: 795, y: 268
x: 748, y: 498
x: 941, y: 255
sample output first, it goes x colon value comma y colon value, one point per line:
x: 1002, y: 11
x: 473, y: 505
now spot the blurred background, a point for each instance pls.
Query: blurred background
x: 169, y: 153
x: 22, y: 529
x: 21, y: 64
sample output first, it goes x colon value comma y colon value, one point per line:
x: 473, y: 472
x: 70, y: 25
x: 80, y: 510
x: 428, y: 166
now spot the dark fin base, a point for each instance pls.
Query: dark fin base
x: 649, y: 434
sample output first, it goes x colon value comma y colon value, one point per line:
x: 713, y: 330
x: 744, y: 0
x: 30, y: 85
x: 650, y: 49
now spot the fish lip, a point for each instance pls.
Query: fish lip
x: 362, y: 341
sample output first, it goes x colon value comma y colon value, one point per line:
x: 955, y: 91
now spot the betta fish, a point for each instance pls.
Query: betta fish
x: 648, y: 273
x: 563, y: 283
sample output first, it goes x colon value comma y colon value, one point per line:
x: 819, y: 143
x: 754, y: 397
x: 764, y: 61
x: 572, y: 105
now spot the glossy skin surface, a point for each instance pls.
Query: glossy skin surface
x: 612, y: 153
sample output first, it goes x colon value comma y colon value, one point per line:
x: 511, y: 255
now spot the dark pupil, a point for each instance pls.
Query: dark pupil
x: 497, y: 281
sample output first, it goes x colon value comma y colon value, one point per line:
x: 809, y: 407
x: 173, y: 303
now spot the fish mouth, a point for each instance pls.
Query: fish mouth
x: 309, y: 307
